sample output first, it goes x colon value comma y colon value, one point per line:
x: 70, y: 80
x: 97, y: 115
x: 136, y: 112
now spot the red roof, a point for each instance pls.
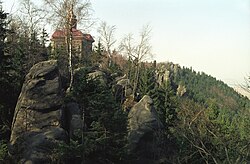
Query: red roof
x: 76, y: 34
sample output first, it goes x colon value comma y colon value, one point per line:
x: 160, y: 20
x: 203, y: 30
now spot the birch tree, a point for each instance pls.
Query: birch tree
x: 107, y: 38
x: 61, y: 15
x: 58, y: 12
x: 137, y: 52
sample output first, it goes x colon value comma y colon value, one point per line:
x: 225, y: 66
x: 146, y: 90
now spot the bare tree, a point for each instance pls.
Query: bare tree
x: 61, y: 15
x: 31, y: 16
x: 127, y: 46
x: 27, y: 24
x: 58, y: 12
x: 246, y: 86
x: 137, y: 52
x: 107, y: 37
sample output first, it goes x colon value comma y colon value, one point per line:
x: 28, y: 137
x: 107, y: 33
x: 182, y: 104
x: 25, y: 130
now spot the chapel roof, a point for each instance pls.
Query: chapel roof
x: 76, y: 34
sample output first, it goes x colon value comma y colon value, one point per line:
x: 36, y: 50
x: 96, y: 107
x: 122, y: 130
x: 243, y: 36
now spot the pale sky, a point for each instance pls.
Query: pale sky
x: 212, y: 36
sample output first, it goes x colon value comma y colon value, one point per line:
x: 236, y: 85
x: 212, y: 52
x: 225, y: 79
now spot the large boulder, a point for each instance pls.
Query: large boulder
x: 122, y: 90
x: 142, y: 123
x: 162, y: 76
x: 126, y: 85
x: 98, y: 75
x: 36, y: 126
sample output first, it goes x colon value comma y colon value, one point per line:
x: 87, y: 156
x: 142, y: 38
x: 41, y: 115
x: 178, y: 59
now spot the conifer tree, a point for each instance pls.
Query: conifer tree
x: 10, y: 77
x: 165, y: 102
x: 3, y: 30
x: 97, y: 55
x: 4, y: 68
x: 103, y: 137
x: 147, y: 80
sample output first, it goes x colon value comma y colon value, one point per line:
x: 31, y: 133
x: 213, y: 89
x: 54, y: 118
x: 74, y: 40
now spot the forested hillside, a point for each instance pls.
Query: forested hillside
x: 208, y: 91
x: 207, y: 119
x: 118, y: 109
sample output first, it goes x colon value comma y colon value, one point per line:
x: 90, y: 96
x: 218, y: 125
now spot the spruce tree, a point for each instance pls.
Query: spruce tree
x: 165, y: 102
x: 9, y: 84
x: 147, y: 80
x: 104, y: 135
x: 3, y: 31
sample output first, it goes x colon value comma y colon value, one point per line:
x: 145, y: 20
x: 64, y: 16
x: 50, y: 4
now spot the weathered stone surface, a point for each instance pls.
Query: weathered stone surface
x: 142, y: 122
x: 36, y: 147
x: 162, y: 76
x: 122, y: 89
x: 181, y: 90
x: 42, y: 84
x: 37, y: 119
x: 99, y: 75
x: 125, y: 83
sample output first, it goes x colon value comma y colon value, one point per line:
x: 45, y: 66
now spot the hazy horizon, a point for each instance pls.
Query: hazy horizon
x: 211, y: 36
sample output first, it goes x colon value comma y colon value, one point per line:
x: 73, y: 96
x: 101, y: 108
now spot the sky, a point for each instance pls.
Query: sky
x: 211, y: 36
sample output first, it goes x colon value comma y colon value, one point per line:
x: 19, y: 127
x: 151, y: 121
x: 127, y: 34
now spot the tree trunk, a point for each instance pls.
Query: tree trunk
x: 70, y: 62
x: 137, y: 71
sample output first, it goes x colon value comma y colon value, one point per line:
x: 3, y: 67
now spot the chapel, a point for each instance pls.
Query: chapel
x: 81, y: 42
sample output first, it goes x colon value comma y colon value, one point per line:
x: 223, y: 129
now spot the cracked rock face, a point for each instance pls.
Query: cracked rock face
x: 36, y: 125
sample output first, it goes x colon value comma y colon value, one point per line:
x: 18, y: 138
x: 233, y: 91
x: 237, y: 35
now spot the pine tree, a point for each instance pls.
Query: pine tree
x: 44, y: 38
x: 147, y: 80
x: 165, y: 102
x: 10, y: 83
x: 3, y: 31
x: 103, y: 138
x: 97, y: 55
x: 4, y: 67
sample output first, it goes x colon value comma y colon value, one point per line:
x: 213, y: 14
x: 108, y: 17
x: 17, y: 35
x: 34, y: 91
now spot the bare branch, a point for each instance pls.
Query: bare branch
x: 196, y: 116
x: 137, y: 52
x: 246, y: 86
x: 31, y: 16
x: 58, y: 11
x: 107, y: 36
x: 127, y: 47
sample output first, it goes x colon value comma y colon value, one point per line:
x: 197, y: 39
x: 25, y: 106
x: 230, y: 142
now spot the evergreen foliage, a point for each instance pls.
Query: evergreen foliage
x: 104, y: 135
x: 9, y: 79
x: 206, y: 139
x: 97, y: 54
x: 147, y: 81
x: 205, y: 89
x: 211, y: 116
x: 3, y: 151
x: 164, y: 95
x: 203, y: 125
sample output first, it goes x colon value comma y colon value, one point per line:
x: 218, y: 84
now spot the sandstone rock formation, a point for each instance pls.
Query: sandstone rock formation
x: 162, y: 75
x: 122, y: 90
x: 99, y: 75
x: 125, y: 84
x: 181, y: 90
x: 36, y: 126
x: 142, y: 123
